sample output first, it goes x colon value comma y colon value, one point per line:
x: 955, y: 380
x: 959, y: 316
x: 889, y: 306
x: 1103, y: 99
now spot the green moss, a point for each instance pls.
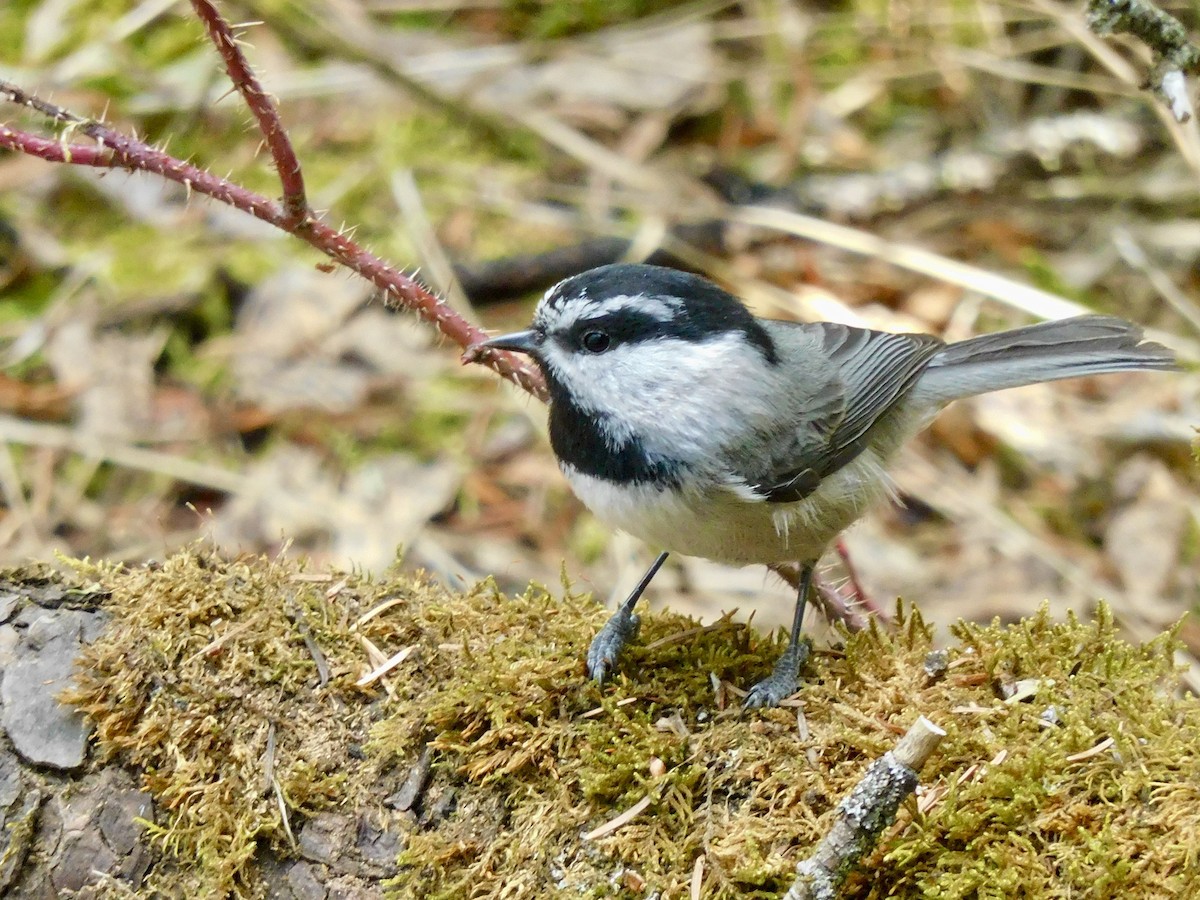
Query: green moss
x: 1088, y: 785
x: 205, y: 667
x: 1054, y: 815
x: 753, y: 777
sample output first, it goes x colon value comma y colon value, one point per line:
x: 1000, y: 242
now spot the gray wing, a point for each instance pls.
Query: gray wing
x: 869, y: 372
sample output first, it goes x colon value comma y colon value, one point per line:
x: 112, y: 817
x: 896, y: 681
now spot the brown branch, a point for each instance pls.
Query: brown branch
x: 865, y: 813
x: 291, y: 178
x: 114, y: 150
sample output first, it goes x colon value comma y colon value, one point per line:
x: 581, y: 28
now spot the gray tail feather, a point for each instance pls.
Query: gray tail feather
x: 1086, y: 345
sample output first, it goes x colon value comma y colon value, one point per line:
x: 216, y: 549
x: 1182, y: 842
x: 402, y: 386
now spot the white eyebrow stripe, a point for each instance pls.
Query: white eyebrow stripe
x: 662, y: 309
x: 581, y: 307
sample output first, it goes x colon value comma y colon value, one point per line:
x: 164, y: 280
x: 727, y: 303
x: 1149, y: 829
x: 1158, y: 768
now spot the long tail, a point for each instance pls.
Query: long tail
x: 1087, y: 345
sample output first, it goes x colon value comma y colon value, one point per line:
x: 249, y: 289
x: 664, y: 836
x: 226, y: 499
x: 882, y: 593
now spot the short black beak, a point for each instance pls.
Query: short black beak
x: 520, y: 341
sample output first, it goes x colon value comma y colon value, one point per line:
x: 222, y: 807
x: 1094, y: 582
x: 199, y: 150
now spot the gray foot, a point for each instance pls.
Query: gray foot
x: 783, y: 680
x: 610, y: 641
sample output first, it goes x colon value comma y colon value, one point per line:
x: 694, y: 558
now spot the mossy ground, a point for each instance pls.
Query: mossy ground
x: 1086, y: 783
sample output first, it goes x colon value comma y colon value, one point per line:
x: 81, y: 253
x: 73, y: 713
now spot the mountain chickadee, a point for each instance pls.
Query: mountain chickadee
x: 681, y: 418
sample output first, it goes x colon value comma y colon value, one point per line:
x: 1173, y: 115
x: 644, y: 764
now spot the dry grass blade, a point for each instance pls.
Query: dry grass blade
x: 1135, y: 256
x: 386, y: 666
x: 1093, y: 751
x: 620, y: 821
x: 19, y: 431
x: 430, y: 250
x: 725, y: 622
x: 1033, y: 73
x: 218, y: 642
x: 1023, y: 297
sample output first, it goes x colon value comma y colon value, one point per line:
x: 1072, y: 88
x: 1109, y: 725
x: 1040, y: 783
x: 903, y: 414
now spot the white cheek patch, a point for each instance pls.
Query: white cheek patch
x: 643, y: 380
x: 679, y: 398
x: 591, y: 391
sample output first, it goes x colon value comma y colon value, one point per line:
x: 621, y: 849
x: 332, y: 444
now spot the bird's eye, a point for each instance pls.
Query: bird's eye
x: 595, y: 341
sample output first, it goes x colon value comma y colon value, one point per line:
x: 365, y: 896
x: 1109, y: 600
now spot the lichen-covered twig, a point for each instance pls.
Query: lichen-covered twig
x: 1164, y: 34
x: 862, y: 816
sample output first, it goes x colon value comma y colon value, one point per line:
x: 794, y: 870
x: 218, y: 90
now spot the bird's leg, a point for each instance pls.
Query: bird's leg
x: 621, y: 628
x: 785, y: 677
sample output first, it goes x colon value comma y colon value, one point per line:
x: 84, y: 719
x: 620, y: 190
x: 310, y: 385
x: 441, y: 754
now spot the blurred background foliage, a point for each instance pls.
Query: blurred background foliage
x: 174, y: 368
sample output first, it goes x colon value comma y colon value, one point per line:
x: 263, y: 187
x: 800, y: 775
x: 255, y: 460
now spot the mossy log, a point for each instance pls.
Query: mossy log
x: 259, y: 729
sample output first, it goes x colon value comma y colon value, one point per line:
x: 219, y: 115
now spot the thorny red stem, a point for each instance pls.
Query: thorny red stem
x: 287, y: 165
x: 825, y: 597
x: 114, y: 150
x: 861, y: 596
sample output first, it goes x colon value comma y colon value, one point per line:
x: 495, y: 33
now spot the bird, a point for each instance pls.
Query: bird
x: 678, y: 416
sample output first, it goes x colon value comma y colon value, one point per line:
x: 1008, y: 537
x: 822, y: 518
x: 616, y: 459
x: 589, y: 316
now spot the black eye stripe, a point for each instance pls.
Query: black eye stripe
x: 676, y: 305
x: 628, y: 326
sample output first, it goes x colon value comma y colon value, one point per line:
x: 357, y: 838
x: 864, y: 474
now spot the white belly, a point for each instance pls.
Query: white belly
x: 723, y: 525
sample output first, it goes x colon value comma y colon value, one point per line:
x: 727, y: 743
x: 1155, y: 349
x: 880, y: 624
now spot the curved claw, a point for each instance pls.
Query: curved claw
x: 770, y: 692
x: 599, y: 666
x: 608, y: 643
x: 783, y: 680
